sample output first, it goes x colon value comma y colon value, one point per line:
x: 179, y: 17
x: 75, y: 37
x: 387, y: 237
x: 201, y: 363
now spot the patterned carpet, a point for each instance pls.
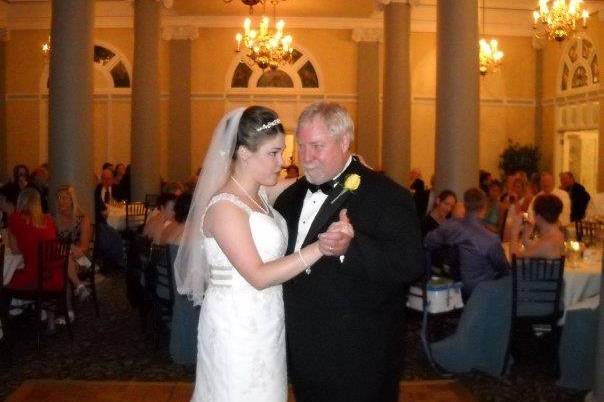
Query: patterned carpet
x: 114, y: 348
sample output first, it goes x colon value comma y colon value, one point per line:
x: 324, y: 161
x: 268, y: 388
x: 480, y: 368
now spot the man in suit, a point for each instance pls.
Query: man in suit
x: 103, y: 195
x: 109, y: 240
x: 344, y: 317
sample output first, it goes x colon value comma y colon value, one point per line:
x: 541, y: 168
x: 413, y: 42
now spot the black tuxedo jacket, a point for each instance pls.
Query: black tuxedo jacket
x: 99, y: 204
x: 344, y: 321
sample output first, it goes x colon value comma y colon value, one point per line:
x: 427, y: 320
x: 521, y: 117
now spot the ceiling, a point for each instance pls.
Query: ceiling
x: 502, y: 17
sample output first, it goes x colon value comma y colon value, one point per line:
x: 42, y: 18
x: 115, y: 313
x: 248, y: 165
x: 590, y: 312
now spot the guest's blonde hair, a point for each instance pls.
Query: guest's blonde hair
x: 75, y: 205
x: 29, y: 203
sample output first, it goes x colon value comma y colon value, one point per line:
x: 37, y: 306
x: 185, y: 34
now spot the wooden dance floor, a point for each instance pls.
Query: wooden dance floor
x: 113, y: 391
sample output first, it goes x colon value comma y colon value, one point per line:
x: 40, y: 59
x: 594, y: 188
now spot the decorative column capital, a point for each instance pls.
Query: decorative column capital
x: 185, y: 32
x: 4, y: 35
x: 367, y: 35
x: 380, y: 4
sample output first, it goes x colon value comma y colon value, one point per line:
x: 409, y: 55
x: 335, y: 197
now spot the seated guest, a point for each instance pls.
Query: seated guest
x: 174, y: 187
x: 28, y: 226
x: 172, y: 233
x: 445, y: 202
x: 484, y: 179
x: 73, y: 227
x: 39, y: 181
x: 579, y: 197
x: 109, y: 241
x: 119, y: 183
x: 547, y: 185
x: 518, y: 201
x: 550, y: 243
x: 157, y: 222
x: 104, y: 194
x: 494, y: 212
x: 481, y: 256
x: 8, y: 202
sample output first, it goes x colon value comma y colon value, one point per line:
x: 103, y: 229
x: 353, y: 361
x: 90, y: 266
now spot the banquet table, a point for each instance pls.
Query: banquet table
x: 116, y: 216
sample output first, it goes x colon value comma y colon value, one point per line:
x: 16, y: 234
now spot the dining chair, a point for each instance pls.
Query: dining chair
x: 136, y: 213
x: 587, y: 231
x: 88, y: 275
x: 536, y: 292
x: 159, y: 285
x: 151, y: 200
x: 49, y: 292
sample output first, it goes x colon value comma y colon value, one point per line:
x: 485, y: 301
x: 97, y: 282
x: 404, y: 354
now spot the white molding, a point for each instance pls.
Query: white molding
x: 502, y: 102
x: 367, y: 35
x: 181, y: 32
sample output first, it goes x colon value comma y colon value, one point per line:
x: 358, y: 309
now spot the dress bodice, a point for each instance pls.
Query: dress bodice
x: 268, y: 232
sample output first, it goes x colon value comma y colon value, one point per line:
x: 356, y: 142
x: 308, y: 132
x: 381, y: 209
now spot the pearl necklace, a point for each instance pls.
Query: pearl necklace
x: 250, y: 197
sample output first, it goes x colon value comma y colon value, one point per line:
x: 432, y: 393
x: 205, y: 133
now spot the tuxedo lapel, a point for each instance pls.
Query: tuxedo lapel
x: 332, y: 204
x: 293, y: 211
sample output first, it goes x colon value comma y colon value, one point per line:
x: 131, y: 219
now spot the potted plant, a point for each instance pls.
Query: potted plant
x: 520, y: 157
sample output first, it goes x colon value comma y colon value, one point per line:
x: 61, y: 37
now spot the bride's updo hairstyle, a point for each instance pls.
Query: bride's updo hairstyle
x: 257, y: 124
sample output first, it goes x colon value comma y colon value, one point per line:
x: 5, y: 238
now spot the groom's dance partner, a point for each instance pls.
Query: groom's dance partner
x: 345, y: 316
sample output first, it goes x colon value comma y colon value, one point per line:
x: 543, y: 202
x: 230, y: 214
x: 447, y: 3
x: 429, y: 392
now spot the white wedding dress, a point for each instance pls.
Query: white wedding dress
x: 241, y: 333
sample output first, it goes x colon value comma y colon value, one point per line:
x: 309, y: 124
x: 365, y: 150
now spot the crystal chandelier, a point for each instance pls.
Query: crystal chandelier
x: 46, y: 48
x: 266, y: 47
x: 489, y: 56
x: 560, y: 20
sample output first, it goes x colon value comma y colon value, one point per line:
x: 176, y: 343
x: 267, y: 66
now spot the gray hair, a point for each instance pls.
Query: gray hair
x: 335, y: 116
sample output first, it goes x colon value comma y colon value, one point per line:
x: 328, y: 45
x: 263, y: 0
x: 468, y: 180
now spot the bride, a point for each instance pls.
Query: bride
x: 231, y: 258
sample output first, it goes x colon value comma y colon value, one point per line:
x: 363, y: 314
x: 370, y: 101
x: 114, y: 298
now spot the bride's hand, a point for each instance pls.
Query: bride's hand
x: 336, y: 240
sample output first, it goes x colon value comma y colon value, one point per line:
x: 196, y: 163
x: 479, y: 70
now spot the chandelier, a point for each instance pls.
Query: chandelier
x: 266, y: 47
x: 46, y: 48
x: 489, y: 56
x: 560, y: 20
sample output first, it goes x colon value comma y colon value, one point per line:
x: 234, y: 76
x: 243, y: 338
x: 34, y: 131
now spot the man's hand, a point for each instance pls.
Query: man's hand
x: 336, y: 240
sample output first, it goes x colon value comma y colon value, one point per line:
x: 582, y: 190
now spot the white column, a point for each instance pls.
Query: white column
x: 396, y: 142
x: 179, y: 132
x: 368, y: 136
x: 70, y: 147
x: 145, y: 100
x: 457, y: 95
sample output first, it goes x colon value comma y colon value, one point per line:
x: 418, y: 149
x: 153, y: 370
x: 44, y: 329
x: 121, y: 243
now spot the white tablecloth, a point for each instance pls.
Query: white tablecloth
x: 582, y: 277
x: 12, y: 262
x: 116, y: 217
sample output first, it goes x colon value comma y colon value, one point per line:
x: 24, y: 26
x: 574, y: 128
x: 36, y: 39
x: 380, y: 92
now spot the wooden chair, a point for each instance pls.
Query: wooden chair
x: 52, y: 255
x: 159, y: 285
x: 536, y: 291
x: 587, y: 231
x: 151, y: 200
x: 88, y: 275
x: 136, y: 215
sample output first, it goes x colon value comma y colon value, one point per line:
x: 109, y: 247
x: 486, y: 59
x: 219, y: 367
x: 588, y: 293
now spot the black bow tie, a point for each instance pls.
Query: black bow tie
x: 325, y: 187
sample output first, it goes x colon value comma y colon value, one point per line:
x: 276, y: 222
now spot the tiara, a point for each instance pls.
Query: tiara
x: 268, y: 125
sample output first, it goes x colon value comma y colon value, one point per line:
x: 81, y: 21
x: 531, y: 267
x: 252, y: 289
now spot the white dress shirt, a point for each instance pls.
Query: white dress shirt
x: 103, y: 191
x: 310, y: 209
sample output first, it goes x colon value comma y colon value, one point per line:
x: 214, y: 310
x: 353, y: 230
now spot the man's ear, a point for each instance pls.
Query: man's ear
x: 345, y: 142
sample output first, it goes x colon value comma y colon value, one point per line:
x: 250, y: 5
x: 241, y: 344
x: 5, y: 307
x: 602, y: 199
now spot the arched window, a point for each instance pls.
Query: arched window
x: 110, y: 64
x: 579, y: 67
x: 300, y: 74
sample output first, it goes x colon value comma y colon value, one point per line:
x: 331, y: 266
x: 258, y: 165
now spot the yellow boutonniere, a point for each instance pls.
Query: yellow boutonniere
x: 351, y: 183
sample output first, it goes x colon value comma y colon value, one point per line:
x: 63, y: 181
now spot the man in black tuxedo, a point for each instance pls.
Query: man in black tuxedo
x: 345, y: 316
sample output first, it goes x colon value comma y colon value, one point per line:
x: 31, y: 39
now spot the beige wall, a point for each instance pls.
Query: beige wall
x: 506, y: 109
